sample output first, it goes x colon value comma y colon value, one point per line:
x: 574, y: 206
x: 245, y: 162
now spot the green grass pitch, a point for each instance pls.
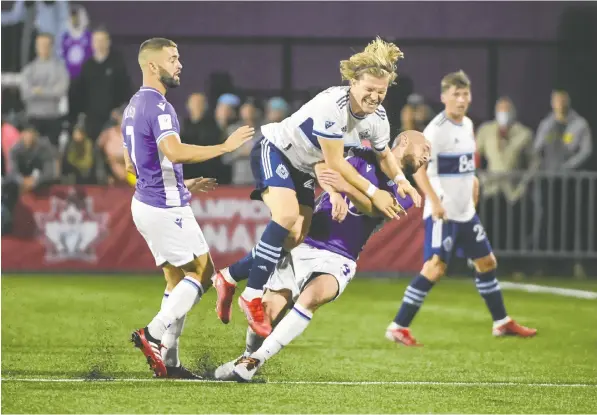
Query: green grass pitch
x: 78, y: 327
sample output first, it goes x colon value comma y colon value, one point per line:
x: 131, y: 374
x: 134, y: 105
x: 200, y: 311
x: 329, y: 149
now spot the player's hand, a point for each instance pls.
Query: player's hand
x: 386, y: 204
x: 438, y: 211
x: 339, y: 207
x: 239, y: 137
x: 405, y: 188
x: 200, y: 184
x: 334, y: 179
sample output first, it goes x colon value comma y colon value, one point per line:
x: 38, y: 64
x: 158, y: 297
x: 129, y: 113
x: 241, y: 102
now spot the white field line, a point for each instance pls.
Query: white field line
x: 306, y: 382
x: 532, y: 288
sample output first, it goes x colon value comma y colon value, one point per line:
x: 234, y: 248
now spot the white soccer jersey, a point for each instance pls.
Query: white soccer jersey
x: 451, y: 169
x: 328, y: 115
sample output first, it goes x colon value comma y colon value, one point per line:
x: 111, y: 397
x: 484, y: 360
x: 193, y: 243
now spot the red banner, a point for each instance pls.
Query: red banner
x: 90, y: 228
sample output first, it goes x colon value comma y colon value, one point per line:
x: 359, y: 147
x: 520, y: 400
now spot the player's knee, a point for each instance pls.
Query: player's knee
x: 434, y: 268
x: 486, y: 264
x: 286, y: 217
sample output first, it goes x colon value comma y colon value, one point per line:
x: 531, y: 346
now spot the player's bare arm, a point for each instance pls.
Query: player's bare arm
x: 476, y: 190
x: 422, y: 180
x: 333, y: 152
x: 128, y: 164
x: 201, y: 184
x: 178, y: 152
x: 339, y: 205
x: 331, y: 178
x: 389, y: 165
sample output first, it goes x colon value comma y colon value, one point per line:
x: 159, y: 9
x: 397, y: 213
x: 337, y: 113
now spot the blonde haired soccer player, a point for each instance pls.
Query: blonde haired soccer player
x: 451, y: 221
x: 160, y: 206
x: 283, y: 161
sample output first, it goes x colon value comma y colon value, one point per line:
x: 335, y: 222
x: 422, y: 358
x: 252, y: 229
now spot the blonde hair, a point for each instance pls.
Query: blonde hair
x: 154, y: 45
x: 458, y: 79
x: 378, y: 59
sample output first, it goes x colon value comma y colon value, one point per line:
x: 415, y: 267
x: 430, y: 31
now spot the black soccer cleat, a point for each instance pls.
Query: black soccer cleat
x: 181, y: 372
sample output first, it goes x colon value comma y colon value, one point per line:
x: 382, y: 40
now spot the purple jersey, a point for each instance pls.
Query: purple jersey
x: 349, y: 237
x: 76, y: 51
x: 147, y: 120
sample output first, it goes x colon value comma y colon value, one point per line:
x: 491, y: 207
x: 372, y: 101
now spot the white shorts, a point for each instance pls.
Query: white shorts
x: 173, y: 234
x: 295, y: 270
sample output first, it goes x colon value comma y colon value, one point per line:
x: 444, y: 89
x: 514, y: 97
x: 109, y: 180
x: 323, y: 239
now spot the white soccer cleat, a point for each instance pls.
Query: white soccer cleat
x: 246, y: 368
x: 225, y: 372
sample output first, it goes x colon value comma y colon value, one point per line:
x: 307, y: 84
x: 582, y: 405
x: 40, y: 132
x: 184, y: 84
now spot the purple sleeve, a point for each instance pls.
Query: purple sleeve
x: 390, y: 186
x: 162, y: 120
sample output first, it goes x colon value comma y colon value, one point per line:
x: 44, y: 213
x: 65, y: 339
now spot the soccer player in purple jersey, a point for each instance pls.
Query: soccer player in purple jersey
x: 160, y: 206
x: 317, y: 271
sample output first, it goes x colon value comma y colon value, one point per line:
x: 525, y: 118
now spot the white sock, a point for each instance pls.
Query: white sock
x: 171, y: 340
x: 165, y: 298
x: 393, y: 326
x: 251, y: 293
x: 291, y: 326
x: 253, y: 341
x: 501, y: 322
x: 226, y: 274
x: 183, y: 297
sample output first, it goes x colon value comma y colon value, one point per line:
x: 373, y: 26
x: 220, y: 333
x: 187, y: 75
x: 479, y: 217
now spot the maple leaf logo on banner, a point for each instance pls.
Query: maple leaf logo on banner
x: 71, y: 229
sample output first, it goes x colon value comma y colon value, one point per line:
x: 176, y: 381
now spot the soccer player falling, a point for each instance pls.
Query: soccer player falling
x: 317, y: 271
x: 283, y: 166
x: 451, y: 221
x: 160, y: 206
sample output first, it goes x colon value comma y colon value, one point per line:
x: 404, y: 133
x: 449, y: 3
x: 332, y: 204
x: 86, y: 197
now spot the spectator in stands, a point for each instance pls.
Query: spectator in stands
x: 37, y: 17
x: 78, y: 159
x: 109, y: 160
x: 276, y: 110
x: 563, y: 138
x: 75, y: 42
x: 103, y: 86
x: 33, y: 161
x: 44, y: 83
x: 225, y: 113
x: 199, y: 128
x: 422, y: 113
x: 238, y: 160
x: 507, y: 147
x: 563, y: 143
x: 10, y: 136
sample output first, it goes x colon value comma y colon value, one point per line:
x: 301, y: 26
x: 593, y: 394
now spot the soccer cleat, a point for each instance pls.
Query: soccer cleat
x: 225, y: 293
x: 255, y: 316
x: 512, y: 328
x: 401, y: 335
x: 152, y: 352
x: 226, y: 371
x: 181, y: 372
x: 246, y: 368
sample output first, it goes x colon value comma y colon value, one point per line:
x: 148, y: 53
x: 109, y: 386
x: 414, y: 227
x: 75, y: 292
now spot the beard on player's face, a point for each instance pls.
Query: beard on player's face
x: 169, y: 81
x: 409, y: 164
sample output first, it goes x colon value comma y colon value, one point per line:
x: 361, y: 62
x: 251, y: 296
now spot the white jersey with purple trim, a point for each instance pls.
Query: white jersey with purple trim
x: 329, y: 116
x: 451, y: 169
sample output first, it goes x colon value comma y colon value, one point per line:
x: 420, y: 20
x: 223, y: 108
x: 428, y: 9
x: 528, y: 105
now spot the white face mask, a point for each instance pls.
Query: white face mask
x: 502, y: 118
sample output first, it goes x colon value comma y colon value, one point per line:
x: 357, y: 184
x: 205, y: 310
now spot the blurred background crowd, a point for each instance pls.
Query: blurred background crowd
x: 66, y: 81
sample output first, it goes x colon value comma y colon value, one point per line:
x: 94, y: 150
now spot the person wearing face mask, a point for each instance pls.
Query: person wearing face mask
x: 507, y: 146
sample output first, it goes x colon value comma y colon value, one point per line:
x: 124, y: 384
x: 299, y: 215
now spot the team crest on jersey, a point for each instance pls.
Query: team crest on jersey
x: 363, y: 135
x: 344, y: 129
x: 448, y: 243
x: 282, y: 171
x: 328, y: 124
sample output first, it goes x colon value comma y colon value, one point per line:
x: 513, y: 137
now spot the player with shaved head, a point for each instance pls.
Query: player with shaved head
x: 283, y: 167
x: 317, y: 271
x: 160, y: 206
